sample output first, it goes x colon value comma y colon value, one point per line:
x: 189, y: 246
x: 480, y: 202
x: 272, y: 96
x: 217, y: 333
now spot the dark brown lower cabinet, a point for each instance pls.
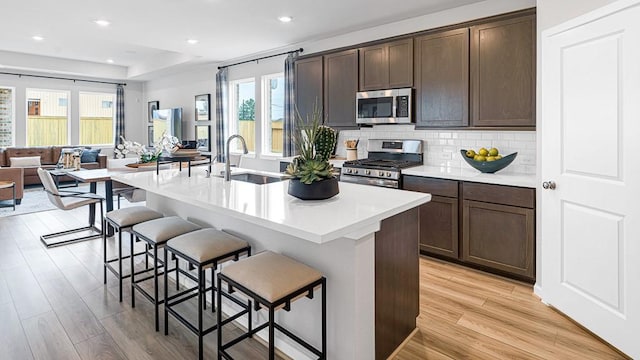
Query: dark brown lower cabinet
x: 439, y: 217
x: 439, y: 226
x: 499, y: 237
x: 488, y: 226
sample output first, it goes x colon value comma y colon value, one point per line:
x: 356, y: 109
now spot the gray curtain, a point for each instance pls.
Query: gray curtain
x: 222, y: 99
x: 288, y: 148
x: 119, y: 116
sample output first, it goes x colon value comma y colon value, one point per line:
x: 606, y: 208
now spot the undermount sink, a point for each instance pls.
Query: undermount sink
x: 256, y: 178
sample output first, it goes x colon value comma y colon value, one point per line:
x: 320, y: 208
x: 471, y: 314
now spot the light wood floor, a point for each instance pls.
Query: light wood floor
x: 468, y: 314
x: 53, y: 305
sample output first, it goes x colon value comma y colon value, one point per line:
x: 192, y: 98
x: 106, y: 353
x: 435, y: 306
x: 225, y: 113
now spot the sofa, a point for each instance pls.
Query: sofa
x: 49, y: 156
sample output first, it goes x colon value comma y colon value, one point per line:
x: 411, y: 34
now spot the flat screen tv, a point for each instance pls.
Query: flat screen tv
x: 169, y: 120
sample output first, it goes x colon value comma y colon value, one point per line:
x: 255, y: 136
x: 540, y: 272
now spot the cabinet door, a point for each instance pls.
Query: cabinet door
x: 503, y: 73
x: 340, y: 87
x: 442, y: 79
x: 374, y: 71
x: 400, y: 57
x: 308, y: 89
x: 499, y: 237
x: 439, y: 226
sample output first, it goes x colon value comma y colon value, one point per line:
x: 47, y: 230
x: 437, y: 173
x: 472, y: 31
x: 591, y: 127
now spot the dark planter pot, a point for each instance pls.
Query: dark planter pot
x: 317, y: 190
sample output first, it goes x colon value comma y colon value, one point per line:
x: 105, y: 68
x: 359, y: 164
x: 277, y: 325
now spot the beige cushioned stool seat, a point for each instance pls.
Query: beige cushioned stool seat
x: 270, y: 275
x: 160, y: 230
x: 206, y: 244
x: 132, y: 215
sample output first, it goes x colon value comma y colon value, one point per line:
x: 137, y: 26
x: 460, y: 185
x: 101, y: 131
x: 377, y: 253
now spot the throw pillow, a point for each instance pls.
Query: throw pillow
x: 90, y: 155
x: 26, y: 161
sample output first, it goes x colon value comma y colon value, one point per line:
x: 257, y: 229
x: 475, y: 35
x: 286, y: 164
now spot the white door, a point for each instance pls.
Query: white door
x: 591, y: 152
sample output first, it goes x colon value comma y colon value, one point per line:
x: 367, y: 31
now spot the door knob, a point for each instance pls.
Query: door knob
x: 549, y: 185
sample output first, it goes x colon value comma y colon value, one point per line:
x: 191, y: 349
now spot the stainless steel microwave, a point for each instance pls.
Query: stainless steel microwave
x: 384, y: 106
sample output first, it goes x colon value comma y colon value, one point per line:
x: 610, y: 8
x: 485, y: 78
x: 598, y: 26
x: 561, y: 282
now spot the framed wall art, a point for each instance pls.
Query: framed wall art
x: 152, y: 105
x: 203, y: 112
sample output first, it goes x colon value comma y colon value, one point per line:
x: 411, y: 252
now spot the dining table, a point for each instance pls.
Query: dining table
x: 93, y: 177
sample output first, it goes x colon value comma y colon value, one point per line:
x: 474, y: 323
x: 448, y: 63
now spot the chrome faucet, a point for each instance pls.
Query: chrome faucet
x: 227, y: 164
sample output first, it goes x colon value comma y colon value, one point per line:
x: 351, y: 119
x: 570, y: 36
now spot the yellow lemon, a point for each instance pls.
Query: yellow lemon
x: 498, y: 157
x: 480, y: 158
x: 493, y: 152
x: 471, y: 153
x: 491, y: 158
x: 483, y: 152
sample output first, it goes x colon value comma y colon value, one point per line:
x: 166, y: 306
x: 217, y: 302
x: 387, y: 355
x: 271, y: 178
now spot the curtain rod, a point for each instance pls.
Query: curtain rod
x: 62, y: 78
x: 260, y: 58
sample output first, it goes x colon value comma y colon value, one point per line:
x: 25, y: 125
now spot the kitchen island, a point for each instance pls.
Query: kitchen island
x: 364, y: 240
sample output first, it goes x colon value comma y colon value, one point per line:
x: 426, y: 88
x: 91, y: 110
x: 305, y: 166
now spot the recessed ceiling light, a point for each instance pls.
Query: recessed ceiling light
x: 37, y: 38
x: 102, y: 22
x: 110, y: 61
x: 192, y: 41
x: 285, y: 19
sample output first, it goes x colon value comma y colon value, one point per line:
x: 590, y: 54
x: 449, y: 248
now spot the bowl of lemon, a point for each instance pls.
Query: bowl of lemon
x: 487, y: 161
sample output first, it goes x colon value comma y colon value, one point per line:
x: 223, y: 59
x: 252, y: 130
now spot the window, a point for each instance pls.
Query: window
x: 34, y: 106
x: 96, y: 119
x: 6, y: 117
x: 242, y: 113
x: 273, y: 113
x: 48, y: 117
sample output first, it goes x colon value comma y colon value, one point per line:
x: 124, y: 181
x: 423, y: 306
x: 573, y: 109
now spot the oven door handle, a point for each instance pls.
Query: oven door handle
x: 395, y: 184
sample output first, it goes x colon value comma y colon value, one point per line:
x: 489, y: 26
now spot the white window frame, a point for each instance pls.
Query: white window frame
x: 113, y: 118
x: 69, y: 107
x: 232, y: 127
x: 265, y: 122
x: 13, y: 113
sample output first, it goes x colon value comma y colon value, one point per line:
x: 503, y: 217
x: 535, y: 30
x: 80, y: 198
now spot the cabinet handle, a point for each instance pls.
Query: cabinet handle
x: 549, y: 185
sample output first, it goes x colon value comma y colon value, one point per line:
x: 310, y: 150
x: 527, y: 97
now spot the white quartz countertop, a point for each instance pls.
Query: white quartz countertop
x: 354, y: 212
x: 469, y: 174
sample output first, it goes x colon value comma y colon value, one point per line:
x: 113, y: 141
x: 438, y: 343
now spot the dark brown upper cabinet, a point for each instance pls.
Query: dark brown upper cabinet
x: 386, y: 66
x: 442, y: 79
x: 308, y: 87
x: 503, y: 73
x: 340, y: 87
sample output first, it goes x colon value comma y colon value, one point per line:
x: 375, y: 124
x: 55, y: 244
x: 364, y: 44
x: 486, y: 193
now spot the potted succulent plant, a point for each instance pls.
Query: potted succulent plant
x: 313, y: 177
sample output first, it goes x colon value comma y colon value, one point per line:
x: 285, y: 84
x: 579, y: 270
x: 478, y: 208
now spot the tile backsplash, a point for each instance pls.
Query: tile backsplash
x: 442, y: 147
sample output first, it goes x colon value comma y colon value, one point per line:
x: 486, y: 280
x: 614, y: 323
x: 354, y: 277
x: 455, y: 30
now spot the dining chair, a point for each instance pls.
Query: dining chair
x: 69, y: 200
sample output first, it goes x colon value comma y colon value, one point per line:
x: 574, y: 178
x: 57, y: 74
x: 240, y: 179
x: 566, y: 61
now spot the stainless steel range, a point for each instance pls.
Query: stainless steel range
x: 386, y: 160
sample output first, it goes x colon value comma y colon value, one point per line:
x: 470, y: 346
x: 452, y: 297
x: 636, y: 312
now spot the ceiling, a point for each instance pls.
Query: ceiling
x: 150, y: 35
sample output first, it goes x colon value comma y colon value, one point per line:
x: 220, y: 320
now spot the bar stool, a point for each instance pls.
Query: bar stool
x: 156, y: 233
x: 201, y: 249
x: 123, y: 220
x: 274, y: 281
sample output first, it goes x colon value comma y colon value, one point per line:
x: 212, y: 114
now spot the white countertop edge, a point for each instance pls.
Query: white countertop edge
x: 355, y: 231
x: 352, y: 231
x: 472, y: 175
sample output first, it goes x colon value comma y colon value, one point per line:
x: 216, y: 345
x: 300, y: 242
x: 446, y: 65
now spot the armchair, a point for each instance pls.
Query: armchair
x: 17, y: 176
x: 69, y: 200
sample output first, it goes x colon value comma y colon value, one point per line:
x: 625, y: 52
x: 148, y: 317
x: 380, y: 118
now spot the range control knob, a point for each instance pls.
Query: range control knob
x: 380, y: 173
x: 348, y: 171
x: 388, y: 174
x: 367, y: 172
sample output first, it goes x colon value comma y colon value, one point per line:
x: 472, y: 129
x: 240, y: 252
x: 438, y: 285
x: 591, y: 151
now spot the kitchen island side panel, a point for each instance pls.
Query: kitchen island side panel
x: 397, y: 281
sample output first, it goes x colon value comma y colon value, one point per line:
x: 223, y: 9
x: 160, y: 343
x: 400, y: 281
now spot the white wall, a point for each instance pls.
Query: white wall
x: 179, y: 90
x: 554, y: 12
x: 133, y: 96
